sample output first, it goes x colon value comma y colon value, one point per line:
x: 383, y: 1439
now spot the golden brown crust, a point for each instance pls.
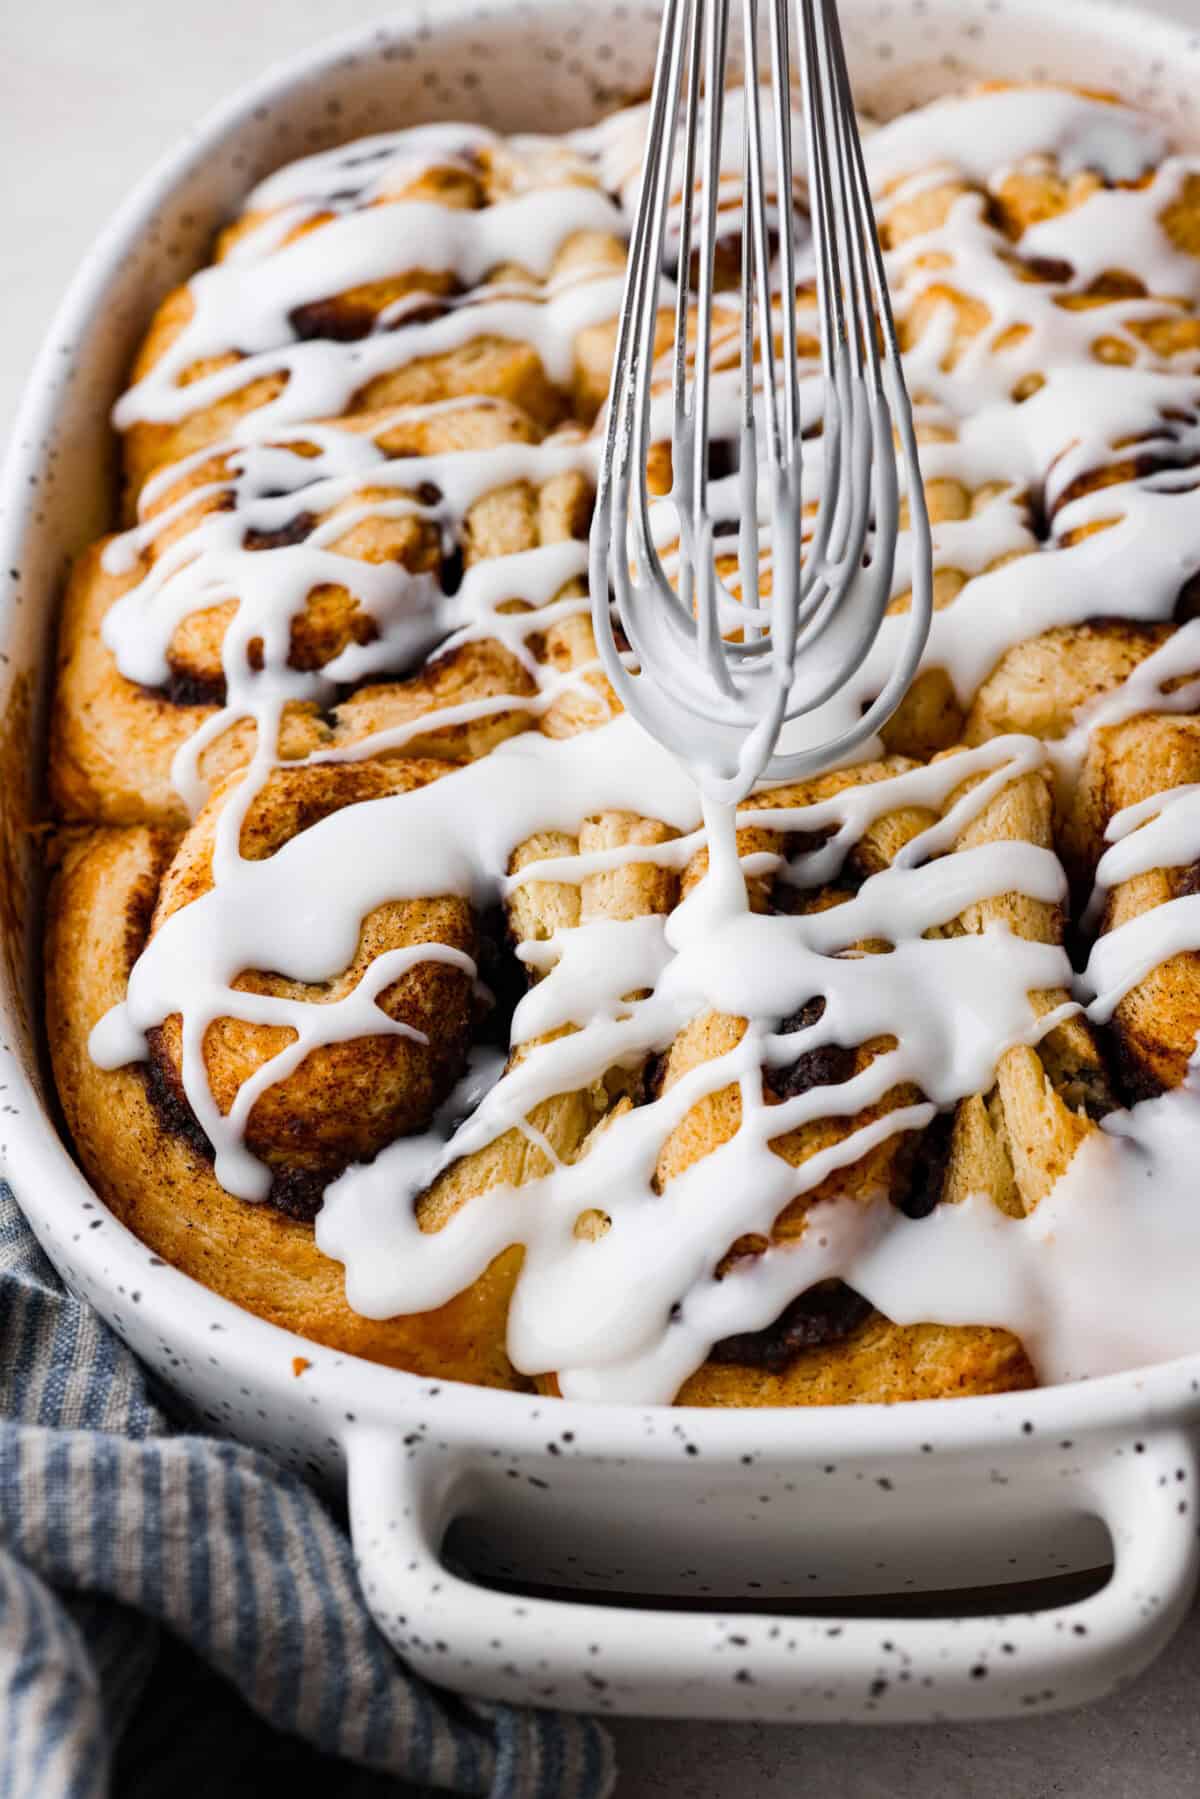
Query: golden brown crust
x: 1153, y: 1030
x: 485, y: 366
x: 166, y: 1192
x: 879, y: 1363
x: 1042, y: 685
x: 346, y: 1100
x: 113, y: 742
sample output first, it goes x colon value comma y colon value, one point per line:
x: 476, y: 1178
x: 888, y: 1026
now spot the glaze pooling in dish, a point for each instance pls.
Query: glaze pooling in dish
x: 710, y: 1107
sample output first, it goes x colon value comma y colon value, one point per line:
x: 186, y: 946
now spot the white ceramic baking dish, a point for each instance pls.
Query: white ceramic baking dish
x: 723, y: 1510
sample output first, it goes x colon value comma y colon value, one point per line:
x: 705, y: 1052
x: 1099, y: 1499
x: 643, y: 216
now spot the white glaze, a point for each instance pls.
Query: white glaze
x: 597, y: 1312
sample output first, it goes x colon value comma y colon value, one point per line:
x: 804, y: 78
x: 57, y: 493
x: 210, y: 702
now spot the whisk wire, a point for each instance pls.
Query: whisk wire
x: 741, y: 662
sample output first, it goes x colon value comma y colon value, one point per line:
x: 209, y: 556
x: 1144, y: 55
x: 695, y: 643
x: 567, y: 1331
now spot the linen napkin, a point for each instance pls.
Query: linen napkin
x: 112, y: 1526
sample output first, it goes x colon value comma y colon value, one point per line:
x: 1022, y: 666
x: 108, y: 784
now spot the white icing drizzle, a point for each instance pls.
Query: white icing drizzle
x: 629, y: 1314
x: 251, y: 306
x: 322, y: 377
x: 1160, y: 832
x: 370, y: 168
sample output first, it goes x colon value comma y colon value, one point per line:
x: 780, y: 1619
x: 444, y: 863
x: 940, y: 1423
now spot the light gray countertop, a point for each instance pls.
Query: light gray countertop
x: 91, y: 92
x: 1142, y: 1744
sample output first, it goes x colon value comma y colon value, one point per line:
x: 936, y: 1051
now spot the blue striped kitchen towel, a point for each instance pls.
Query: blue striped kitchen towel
x: 111, y: 1525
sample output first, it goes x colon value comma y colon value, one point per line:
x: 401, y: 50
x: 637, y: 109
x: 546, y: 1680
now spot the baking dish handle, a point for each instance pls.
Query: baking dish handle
x: 686, y: 1663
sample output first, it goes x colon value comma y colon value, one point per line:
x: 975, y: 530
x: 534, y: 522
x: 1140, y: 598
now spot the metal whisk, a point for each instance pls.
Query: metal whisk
x: 719, y: 675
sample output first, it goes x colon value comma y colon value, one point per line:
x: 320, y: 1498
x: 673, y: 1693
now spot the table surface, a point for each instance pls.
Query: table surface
x: 90, y: 95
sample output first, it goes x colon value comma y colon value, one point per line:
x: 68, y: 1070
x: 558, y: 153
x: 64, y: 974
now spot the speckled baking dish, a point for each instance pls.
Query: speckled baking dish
x: 703, y: 1505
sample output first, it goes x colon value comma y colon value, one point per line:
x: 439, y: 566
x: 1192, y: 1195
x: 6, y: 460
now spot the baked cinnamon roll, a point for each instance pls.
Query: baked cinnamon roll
x: 495, y: 229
